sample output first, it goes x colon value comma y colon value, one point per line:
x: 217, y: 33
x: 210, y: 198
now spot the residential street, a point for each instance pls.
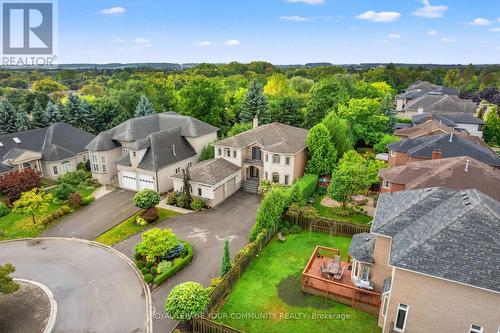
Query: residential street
x: 206, y: 231
x: 96, y: 289
x: 92, y: 220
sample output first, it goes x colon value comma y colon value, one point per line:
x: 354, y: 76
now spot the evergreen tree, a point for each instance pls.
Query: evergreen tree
x: 322, y: 151
x: 255, y: 104
x: 52, y: 112
x: 87, y: 120
x: 76, y: 112
x: 290, y: 111
x: 186, y: 186
x: 7, y: 118
x: 388, y: 109
x: 144, y: 107
x: 38, y: 116
x: 22, y: 121
x: 225, y: 264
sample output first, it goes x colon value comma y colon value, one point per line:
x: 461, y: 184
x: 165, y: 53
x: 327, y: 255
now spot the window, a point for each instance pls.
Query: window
x: 199, y: 191
x: 84, y: 158
x: 366, y: 272
x: 66, y: 166
x: 177, y: 170
x: 276, y: 177
x: 287, y: 160
x: 267, y: 176
x: 103, y: 159
x: 276, y: 159
x: 173, y: 150
x: 384, y: 305
x: 267, y: 157
x: 125, y: 151
x: 234, y: 153
x: 386, y: 184
x: 134, y: 153
x: 475, y: 329
x: 392, y: 152
x: 228, y: 152
x: 95, y: 166
x: 190, y: 164
x: 356, y: 269
x: 286, y: 179
x: 104, y: 169
x: 54, y: 170
x: 16, y: 140
x: 401, y: 317
x: 103, y: 164
x: 26, y: 165
x: 219, y: 152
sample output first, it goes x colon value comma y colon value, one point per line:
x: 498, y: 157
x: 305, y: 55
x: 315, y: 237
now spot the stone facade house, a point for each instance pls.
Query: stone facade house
x: 53, y: 150
x: 144, y: 152
x: 433, y: 255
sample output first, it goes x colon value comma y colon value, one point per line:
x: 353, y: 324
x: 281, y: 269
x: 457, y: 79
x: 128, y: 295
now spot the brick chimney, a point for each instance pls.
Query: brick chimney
x: 436, y: 154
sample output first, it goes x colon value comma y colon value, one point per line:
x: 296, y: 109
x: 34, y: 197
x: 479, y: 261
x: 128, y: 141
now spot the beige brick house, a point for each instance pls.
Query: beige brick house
x: 434, y: 255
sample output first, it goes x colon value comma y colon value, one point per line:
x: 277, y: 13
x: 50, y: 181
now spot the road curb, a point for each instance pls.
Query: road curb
x: 147, y: 291
x: 53, y: 303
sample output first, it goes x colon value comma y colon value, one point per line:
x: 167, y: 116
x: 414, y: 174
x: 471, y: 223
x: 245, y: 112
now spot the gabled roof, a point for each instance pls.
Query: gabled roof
x: 136, y: 129
x: 429, y: 127
x: 56, y: 142
x: 451, y: 145
x: 442, y: 104
x: 275, y: 138
x: 454, y: 172
x: 426, y: 116
x: 442, y: 233
x: 211, y: 172
x: 421, y: 88
x: 451, y: 120
x: 361, y: 248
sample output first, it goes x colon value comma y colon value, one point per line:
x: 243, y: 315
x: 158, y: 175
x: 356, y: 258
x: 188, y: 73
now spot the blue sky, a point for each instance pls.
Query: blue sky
x: 280, y: 31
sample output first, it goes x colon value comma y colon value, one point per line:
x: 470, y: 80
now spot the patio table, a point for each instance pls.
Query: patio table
x: 334, y: 268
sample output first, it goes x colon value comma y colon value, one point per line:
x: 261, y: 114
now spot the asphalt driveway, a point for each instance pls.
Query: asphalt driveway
x: 96, y: 289
x: 205, y: 231
x: 92, y: 220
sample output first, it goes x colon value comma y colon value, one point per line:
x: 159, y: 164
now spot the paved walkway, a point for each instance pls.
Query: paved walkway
x: 92, y: 220
x: 96, y: 288
x: 205, y: 231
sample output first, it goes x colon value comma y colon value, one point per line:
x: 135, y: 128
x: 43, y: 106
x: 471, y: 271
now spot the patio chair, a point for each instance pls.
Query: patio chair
x: 336, y: 259
x: 339, y: 276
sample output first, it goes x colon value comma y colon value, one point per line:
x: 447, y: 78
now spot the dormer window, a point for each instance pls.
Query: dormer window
x: 16, y: 140
x: 1, y: 144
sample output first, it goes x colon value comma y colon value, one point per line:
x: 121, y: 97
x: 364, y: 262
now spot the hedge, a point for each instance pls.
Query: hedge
x: 277, y: 200
x: 161, y: 278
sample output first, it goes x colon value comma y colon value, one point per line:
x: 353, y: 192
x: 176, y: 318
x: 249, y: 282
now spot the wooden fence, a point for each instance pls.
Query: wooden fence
x: 202, y: 325
x: 332, y: 227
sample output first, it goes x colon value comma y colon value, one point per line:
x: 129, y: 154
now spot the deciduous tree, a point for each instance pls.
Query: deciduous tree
x: 32, y: 202
x: 322, y: 152
x: 156, y: 243
x: 7, y: 284
x: 325, y: 96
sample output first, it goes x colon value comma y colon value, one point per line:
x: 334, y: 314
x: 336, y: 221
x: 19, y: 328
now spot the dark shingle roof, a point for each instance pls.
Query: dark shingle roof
x: 442, y: 233
x: 424, y: 117
x: 442, y: 104
x: 451, y: 145
x: 275, y: 138
x: 56, y: 142
x: 448, y: 119
x: 211, y: 172
x: 362, y: 246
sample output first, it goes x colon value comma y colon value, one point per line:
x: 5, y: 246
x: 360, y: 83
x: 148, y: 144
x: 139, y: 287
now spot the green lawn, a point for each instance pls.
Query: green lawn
x: 20, y: 226
x: 272, y: 285
x: 128, y: 227
x: 332, y: 213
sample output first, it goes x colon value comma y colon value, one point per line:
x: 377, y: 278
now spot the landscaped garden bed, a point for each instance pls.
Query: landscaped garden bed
x: 160, y: 255
x: 348, y: 214
x: 275, y: 276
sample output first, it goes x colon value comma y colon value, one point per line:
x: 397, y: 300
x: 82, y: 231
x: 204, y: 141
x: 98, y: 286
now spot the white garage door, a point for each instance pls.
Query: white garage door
x: 146, y: 181
x: 129, y: 180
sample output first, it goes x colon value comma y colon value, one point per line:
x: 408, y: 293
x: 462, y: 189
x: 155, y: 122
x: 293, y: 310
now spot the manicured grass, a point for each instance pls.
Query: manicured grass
x: 272, y: 285
x: 20, y: 226
x: 332, y: 213
x: 128, y: 227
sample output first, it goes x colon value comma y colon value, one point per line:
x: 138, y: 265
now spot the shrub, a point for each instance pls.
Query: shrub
x: 47, y: 219
x: 140, y: 221
x: 63, y: 191
x: 65, y: 210
x: 144, y: 270
x: 215, y: 282
x: 182, y: 200
x: 270, y: 211
x: 76, y: 178
x: 54, y: 216
x: 156, y: 242
x: 137, y: 256
x: 149, y: 264
x: 176, y: 261
x: 171, y: 198
x: 150, y: 214
x: 197, y: 204
x: 75, y: 199
x: 139, y: 264
x: 186, y: 300
x: 148, y: 278
x: 225, y: 265
x: 153, y: 270
x: 176, y: 266
x: 4, y: 210
x: 88, y: 199
x: 264, y: 186
x: 163, y: 266
x: 381, y: 146
x: 146, y: 199
x: 15, y: 183
x: 207, y: 153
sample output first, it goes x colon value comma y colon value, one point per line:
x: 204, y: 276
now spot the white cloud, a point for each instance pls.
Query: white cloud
x: 379, y: 16
x: 495, y: 30
x: 430, y: 11
x: 118, y: 40
x: 140, y: 41
x: 295, y: 18
x: 204, y: 43
x: 447, y: 40
x: 307, y: 2
x: 480, y: 21
x: 232, y: 42
x: 113, y: 11
x: 432, y: 32
x: 393, y: 36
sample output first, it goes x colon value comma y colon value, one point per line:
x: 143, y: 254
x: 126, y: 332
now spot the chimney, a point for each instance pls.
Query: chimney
x: 255, y: 121
x: 420, y: 110
x: 451, y: 137
x: 467, y: 166
x: 436, y: 154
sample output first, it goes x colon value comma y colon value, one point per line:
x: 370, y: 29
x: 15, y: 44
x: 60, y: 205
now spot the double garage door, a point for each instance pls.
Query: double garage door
x: 136, y: 182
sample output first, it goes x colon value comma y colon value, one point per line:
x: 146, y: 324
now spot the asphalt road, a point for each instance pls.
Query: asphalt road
x: 92, y: 220
x: 96, y: 290
x: 206, y: 232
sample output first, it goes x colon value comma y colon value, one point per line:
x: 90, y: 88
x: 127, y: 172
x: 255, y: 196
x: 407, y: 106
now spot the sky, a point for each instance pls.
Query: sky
x: 279, y: 31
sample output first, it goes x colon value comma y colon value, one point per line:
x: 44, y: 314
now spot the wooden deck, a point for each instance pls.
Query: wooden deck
x: 343, y: 290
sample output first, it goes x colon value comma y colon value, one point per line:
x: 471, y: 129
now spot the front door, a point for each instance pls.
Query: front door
x: 253, y: 172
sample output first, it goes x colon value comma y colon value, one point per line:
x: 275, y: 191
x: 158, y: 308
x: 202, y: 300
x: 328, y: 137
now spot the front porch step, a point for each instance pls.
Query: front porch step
x: 251, y: 185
